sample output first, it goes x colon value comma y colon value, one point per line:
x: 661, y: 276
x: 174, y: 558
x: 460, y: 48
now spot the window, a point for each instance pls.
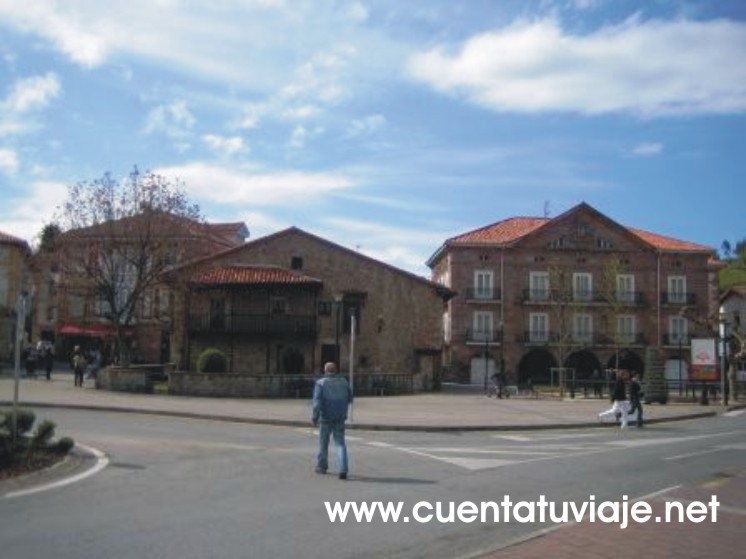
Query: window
x: 625, y: 288
x: 483, y: 284
x: 676, y: 289
x: 626, y: 329
x: 351, y: 308
x: 583, y: 328
x: 539, y: 327
x: 296, y: 262
x: 677, y: 328
x: 582, y: 286
x: 4, y: 290
x: 538, y: 286
x: 325, y: 308
x: 482, y: 323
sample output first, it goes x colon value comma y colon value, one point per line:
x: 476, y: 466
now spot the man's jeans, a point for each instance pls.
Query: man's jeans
x: 334, y: 429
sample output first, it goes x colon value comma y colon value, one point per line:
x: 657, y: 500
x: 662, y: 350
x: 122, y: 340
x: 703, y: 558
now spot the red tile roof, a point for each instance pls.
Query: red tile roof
x: 502, y: 232
x: 514, y: 228
x: 252, y: 275
x: 662, y: 242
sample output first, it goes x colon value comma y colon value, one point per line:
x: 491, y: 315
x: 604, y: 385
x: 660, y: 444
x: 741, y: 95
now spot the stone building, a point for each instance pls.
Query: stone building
x: 69, y: 308
x: 282, y: 305
x: 14, y: 279
x: 573, y: 294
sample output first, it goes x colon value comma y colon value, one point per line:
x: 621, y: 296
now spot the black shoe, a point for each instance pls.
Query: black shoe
x: 343, y: 475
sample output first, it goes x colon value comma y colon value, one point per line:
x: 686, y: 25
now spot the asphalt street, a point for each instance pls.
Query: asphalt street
x: 180, y: 487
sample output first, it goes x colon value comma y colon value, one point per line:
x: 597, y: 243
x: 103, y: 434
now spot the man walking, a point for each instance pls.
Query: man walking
x: 332, y: 396
x: 635, y: 398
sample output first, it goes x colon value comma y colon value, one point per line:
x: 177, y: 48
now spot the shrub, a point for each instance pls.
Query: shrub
x: 25, y: 420
x: 212, y: 360
x: 64, y: 445
x: 41, y: 437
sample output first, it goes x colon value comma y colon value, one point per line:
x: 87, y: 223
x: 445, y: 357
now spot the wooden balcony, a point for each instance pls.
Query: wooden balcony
x: 255, y: 324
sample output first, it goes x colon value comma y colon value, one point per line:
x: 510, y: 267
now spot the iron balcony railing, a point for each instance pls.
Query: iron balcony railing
x: 477, y: 336
x: 557, y: 296
x: 255, y: 324
x: 676, y: 298
x: 483, y: 294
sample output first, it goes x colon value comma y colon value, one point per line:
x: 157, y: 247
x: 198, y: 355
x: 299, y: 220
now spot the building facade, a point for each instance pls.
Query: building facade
x: 575, y: 295
x: 285, y: 304
x: 68, y: 306
x: 14, y: 279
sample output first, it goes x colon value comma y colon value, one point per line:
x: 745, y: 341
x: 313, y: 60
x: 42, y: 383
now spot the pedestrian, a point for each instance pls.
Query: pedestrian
x: 635, y: 398
x: 49, y: 360
x: 79, y: 365
x: 618, y: 401
x: 332, y: 396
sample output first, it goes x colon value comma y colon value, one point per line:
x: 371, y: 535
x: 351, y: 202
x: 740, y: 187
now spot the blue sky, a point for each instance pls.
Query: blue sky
x: 384, y: 126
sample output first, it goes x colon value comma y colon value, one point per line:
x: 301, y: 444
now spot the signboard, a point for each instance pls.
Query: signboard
x: 704, y: 360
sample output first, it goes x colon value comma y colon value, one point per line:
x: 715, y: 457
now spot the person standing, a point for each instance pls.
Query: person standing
x: 635, y: 398
x: 332, y: 397
x: 49, y: 361
x: 79, y: 365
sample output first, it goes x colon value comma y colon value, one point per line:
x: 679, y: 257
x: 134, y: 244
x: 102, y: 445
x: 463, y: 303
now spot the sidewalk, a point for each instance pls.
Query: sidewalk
x: 723, y: 539
x: 450, y: 410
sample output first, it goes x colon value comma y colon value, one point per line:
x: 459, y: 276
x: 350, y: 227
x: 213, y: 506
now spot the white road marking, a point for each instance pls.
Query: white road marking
x: 101, y: 462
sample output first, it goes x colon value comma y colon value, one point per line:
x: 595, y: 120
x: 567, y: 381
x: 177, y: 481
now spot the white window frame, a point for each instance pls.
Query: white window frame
x: 678, y: 329
x: 582, y: 330
x: 626, y: 328
x: 538, y: 327
x: 582, y: 286
x: 483, y: 284
x: 625, y: 288
x: 483, y: 323
x: 538, y: 284
x: 677, y: 289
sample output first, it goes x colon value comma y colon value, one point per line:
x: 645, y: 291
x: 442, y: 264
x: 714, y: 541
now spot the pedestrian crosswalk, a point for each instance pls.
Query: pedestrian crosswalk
x: 514, y: 449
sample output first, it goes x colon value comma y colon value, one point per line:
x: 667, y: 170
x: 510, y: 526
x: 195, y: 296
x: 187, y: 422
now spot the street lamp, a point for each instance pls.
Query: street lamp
x: 338, y: 305
x: 20, y: 323
x: 723, y: 335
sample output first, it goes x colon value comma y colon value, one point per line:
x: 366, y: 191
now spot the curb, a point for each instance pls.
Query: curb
x: 371, y: 426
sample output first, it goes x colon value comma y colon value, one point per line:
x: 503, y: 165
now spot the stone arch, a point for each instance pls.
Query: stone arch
x: 536, y: 365
x: 628, y: 361
x: 584, y: 362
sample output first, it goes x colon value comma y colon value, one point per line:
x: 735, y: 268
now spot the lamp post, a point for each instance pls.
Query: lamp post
x: 338, y: 305
x: 20, y: 321
x: 723, y: 335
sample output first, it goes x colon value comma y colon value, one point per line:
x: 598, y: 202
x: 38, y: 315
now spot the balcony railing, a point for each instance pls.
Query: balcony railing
x: 591, y: 339
x: 675, y: 340
x: 482, y: 294
x: 675, y: 298
x: 556, y: 296
x: 475, y: 336
x: 255, y: 324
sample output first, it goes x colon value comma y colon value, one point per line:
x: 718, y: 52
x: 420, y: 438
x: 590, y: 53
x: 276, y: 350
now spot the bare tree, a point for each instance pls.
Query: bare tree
x: 118, y: 238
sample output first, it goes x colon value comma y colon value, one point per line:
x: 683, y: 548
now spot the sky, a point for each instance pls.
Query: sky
x: 385, y: 126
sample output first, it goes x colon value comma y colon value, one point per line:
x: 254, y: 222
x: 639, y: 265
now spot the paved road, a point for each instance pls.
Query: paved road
x: 180, y: 487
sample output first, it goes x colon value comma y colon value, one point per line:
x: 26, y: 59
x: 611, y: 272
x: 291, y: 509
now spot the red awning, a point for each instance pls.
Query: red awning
x: 93, y: 330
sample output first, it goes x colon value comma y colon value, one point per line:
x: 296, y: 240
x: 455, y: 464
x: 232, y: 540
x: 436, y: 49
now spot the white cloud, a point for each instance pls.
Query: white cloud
x: 647, y: 149
x: 174, y: 120
x: 227, y: 146
x: 25, y: 217
x: 8, y: 161
x: 249, y: 188
x: 30, y: 94
x: 366, y: 126
x: 652, y: 68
